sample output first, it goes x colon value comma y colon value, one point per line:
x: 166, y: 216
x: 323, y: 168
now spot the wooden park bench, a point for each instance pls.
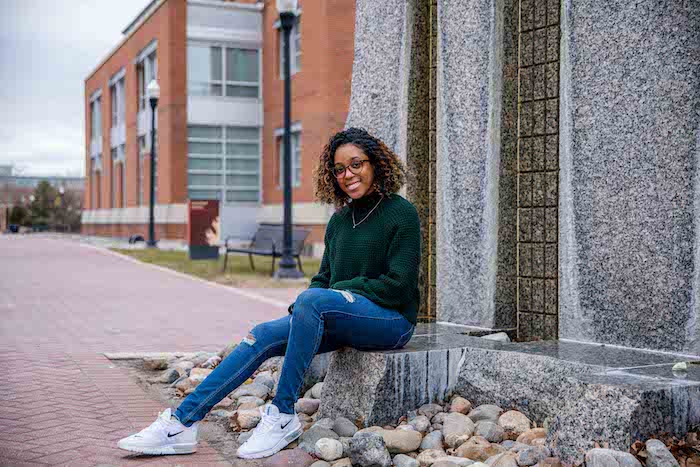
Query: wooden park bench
x: 268, y: 241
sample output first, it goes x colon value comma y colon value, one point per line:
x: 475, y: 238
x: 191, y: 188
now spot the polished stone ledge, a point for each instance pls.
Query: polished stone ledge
x: 441, y: 328
x: 585, y: 393
x: 437, y: 336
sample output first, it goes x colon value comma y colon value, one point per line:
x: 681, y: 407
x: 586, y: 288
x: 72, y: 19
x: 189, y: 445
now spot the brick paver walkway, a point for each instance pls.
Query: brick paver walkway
x: 61, y: 306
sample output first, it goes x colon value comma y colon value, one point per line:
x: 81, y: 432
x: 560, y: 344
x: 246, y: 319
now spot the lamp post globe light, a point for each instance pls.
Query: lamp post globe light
x: 153, y: 92
x: 287, y: 266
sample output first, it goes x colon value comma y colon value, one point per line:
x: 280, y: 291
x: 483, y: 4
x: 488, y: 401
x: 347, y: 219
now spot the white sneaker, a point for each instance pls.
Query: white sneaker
x: 165, y: 436
x: 275, y: 431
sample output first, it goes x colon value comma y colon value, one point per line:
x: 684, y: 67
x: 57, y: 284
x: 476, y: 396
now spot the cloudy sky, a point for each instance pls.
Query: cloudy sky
x: 47, y: 49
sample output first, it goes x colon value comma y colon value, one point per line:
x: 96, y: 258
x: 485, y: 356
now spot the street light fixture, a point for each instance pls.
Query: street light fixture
x: 287, y: 267
x: 153, y: 92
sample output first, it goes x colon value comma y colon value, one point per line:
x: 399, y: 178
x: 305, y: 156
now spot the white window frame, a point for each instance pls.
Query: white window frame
x: 224, y: 82
x: 296, y: 155
x: 141, y: 156
x: 96, y: 120
x: 116, y: 88
x: 113, y: 174
x: 96, y: 186
x: 122, y: 149
x: 115, y: 105
x: 146, y: 71
x: 294, y: 47
x: 118, y: 158
x: 145, y: 148
x: 223, y: 188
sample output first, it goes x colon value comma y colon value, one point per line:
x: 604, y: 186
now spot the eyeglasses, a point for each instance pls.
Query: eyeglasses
x: 355, y: 167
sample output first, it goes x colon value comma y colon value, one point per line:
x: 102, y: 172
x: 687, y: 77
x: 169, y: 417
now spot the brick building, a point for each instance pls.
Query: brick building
x: 219, y: 117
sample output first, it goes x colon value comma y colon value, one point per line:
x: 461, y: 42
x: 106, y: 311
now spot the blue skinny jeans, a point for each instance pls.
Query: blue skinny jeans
x: 323, y: 320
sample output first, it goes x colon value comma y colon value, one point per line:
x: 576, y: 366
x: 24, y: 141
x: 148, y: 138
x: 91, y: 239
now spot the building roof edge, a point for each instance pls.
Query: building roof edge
x: 230, y: 5
x: 129, y: 31
x: 142, y: 15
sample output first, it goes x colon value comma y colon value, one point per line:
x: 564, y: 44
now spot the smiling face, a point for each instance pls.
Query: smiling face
x: 355, y: 185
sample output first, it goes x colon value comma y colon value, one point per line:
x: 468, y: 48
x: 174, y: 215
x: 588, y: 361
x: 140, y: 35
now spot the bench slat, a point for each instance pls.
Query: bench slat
x: 268, y: 241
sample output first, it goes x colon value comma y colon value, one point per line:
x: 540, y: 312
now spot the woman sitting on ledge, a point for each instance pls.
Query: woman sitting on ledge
x: 364, y: 296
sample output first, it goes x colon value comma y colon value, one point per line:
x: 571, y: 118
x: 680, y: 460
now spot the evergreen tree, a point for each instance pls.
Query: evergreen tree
x: 19, y: 215
x: 42, y: 209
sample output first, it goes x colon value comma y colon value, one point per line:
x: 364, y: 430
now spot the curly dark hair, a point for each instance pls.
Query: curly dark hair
x: 389, y: 173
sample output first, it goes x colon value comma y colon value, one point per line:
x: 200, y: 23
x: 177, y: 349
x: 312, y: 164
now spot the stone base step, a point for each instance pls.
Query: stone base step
x: 583, y: 393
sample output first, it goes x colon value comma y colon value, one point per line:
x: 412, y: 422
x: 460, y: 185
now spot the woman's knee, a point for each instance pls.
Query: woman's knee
x: 310, y: 297
x: 310, y: 304
x: 269, y: 332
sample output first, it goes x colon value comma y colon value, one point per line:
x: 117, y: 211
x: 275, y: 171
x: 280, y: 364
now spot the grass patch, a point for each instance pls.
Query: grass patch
x: 238, y: 272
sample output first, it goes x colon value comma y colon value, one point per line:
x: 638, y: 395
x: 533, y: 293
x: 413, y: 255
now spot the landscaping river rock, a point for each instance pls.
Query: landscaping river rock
x: 440, y: 434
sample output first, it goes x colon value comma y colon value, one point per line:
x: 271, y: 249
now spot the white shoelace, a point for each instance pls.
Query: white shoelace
x: 266, y: 422
x: 159, y: 424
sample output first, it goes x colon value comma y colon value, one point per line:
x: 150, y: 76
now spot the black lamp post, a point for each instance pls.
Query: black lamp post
x: 287, y: 267
x: 153, y: 92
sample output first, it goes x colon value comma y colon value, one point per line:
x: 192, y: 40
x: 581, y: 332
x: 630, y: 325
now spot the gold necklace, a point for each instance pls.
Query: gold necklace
x: 365, y: 218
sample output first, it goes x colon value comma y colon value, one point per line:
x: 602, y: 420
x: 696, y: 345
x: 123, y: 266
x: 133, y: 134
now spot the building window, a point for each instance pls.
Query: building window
x: 224, y: 163
x: 223, y: 71
x: 96, y: 177
x: 118, y: 178
x: 118, y: 102
x: 147, y: 71
x: 296, y: 159
x: 142, y: 151
x: 115, y: 105
x: 122, y: 173
x: 113, y: 185
x: 91, y: 175
x: 294, y: 48
x: 96, y: 121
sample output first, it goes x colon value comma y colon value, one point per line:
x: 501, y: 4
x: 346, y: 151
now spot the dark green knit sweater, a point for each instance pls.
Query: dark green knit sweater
x: 378, y: 259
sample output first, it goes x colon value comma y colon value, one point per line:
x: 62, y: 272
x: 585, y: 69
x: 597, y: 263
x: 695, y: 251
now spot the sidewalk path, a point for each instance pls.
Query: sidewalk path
x: 61, y: 305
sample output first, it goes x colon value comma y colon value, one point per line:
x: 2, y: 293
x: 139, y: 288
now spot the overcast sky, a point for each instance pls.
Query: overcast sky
x: 47, y: 49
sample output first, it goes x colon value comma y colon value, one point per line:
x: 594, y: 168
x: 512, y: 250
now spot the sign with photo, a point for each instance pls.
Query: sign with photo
x: 203, y: 228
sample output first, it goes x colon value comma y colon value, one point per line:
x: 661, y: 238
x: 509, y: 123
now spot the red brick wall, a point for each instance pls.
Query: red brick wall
x: 320, y: 91
x: 164, y: 231
x: 168, y: 26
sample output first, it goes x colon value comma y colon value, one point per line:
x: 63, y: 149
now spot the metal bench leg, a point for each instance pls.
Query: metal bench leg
x: 299, y: 263
x: 252, y: 264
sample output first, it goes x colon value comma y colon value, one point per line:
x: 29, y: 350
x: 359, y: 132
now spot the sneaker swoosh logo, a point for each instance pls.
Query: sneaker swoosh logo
x: 170, y: 435
x: 285, y: 425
